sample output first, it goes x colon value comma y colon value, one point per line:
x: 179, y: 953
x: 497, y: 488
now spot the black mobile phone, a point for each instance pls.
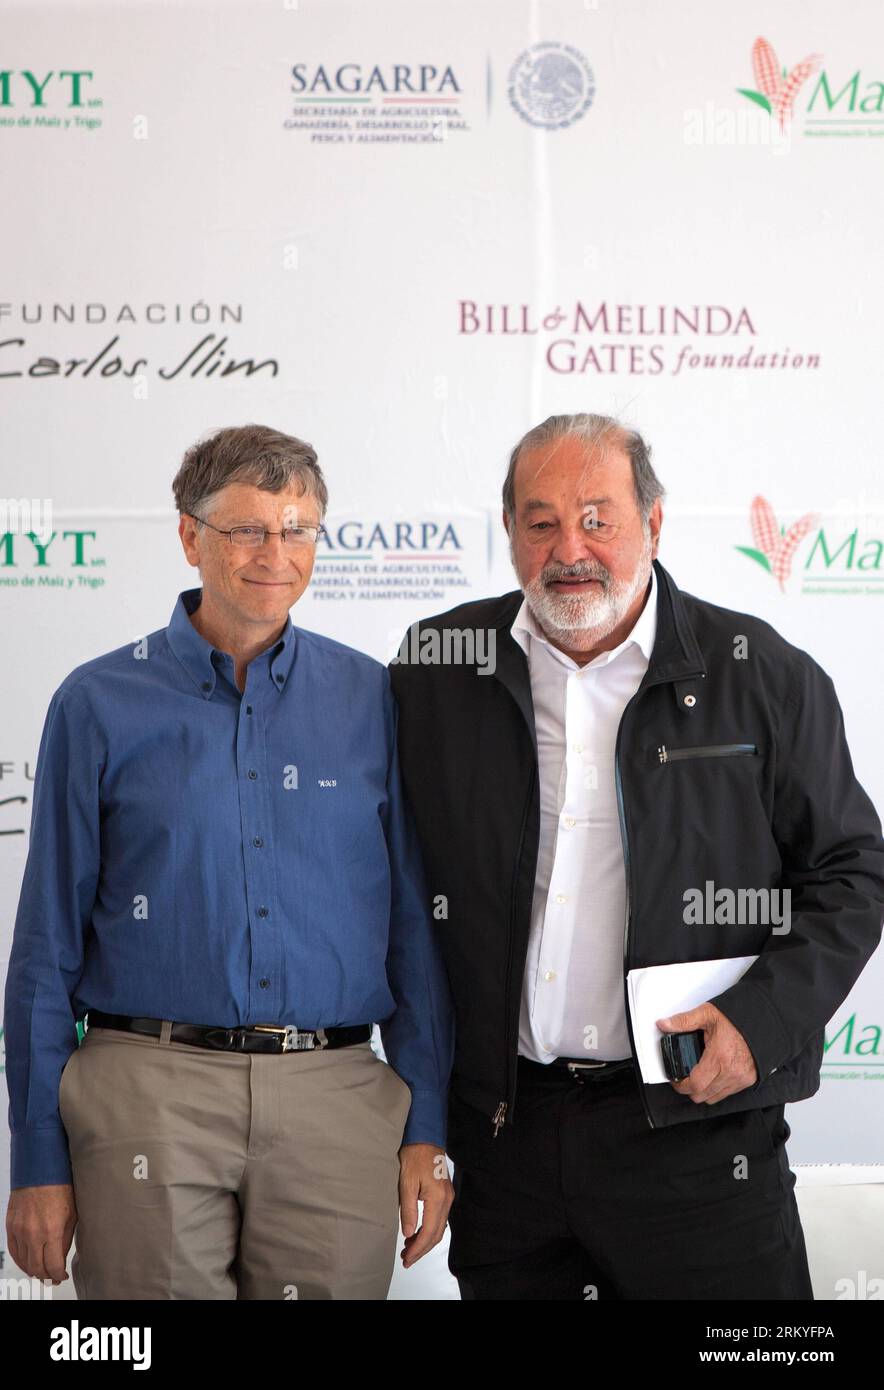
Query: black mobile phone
x: 681, y: 1053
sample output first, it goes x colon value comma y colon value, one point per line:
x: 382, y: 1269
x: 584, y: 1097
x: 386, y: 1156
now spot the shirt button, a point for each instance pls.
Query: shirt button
x: 207, y: 685
x: 248, y: 709
x: 279, y: 679
x: 560, y: 898
x: 568, y: 821
x: 549, y: 974
x: 263, y: 912
x: 265, y: 984
x: 578, y: 747
x: 252, y: 773
x: 257, y: 842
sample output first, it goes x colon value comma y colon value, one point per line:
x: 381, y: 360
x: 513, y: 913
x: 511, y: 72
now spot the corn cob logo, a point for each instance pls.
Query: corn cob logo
x: 774, y: 545
x: 777, y: 88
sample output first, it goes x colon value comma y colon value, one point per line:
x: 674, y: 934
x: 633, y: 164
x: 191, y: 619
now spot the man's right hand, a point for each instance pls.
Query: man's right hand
x: 40, y: 1225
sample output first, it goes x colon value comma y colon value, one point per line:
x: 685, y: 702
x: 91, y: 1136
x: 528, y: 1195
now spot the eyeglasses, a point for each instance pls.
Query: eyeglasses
x: 255, y: 535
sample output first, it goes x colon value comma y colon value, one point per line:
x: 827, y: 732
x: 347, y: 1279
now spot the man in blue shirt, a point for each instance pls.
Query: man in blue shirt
x: 223, y: 878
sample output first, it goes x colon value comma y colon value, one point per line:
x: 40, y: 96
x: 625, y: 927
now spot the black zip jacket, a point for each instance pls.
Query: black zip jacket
x: 729, y: 768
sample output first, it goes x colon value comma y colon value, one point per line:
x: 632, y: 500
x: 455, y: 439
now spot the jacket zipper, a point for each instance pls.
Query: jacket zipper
x: 628, y: 867
x: 499, y: 1115
x: 713, y: 750
x: 665, y: 755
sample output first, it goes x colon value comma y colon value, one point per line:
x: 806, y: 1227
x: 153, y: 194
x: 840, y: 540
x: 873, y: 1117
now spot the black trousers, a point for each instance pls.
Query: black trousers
x: 580, y: 1198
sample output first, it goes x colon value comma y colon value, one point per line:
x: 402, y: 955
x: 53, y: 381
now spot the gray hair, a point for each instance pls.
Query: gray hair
x: 246, y: 454
x: 595, y: 430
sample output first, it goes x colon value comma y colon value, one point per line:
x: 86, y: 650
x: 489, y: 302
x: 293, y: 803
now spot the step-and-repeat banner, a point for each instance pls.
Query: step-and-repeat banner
x: 406, y: 232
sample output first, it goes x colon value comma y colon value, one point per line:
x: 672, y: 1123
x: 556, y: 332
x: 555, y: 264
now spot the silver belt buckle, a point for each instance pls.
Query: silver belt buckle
x: 574, y: 1067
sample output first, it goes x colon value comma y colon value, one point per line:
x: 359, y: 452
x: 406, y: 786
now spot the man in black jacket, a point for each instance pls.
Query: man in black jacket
x: 632, y: 777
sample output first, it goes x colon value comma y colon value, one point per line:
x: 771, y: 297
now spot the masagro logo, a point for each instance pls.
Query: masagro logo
x: 777, y: 88
x: 855, y: 1051
x: 829, y: 558
x: 830, y: 103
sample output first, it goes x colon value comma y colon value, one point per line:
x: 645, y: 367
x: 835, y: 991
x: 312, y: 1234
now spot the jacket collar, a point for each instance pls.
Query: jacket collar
x: 676, y: 655
x: 200, y: 659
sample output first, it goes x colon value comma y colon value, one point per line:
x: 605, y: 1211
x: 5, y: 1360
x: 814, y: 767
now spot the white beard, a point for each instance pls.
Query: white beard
x: 581, y: 621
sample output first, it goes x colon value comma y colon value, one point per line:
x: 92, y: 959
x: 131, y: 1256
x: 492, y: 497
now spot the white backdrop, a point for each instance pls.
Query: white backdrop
x: 406, y: 232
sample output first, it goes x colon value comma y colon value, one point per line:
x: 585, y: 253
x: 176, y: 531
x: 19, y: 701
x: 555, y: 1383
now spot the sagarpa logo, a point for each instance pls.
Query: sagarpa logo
x: 774, y: 545
x: 777, y: 88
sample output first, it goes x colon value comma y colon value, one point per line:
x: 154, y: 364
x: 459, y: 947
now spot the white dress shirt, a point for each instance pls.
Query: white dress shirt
x: 573, y: 980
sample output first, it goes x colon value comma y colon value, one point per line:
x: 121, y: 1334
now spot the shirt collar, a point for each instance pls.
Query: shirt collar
x: 199, y: 657
x: 526, y: 628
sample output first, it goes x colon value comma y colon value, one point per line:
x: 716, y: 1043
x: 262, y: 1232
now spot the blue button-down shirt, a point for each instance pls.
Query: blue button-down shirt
x: 213, y: 857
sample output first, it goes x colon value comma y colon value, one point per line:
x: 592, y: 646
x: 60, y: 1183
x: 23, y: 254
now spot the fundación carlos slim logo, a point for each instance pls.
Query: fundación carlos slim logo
x: 551, y: 85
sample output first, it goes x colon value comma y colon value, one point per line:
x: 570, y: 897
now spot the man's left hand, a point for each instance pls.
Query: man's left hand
x: 726, y: 1065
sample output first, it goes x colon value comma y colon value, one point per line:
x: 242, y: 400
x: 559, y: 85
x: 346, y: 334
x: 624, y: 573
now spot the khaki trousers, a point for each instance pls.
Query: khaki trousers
x: 214, y: 1175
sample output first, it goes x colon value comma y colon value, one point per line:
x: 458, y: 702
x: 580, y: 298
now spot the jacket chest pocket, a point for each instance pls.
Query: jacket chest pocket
x: 666, y: 754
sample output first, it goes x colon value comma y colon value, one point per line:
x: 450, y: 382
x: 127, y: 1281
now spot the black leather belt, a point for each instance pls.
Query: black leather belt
x: 576, y: 1068
x: 254, y: 1037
